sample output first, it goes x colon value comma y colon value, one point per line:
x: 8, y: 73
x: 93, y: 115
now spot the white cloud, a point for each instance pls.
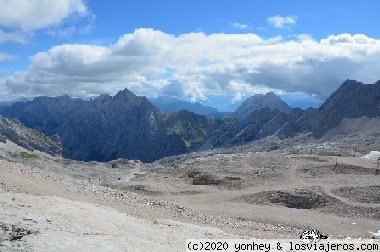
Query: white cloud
x: 240, y: 26
x: 200, y: 65
x: 17, y: 37
x: 281, y: 22
x: 19, y: 19
x: 33, y: 15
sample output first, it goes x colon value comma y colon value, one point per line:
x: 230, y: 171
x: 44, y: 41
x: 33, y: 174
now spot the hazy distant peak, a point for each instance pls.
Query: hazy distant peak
x: 259, y: 101
x: 172, y: 104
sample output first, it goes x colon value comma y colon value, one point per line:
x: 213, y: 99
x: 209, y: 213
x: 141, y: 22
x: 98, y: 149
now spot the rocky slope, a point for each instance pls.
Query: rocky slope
x: 351, y: 100
x: 107, y: 127
x: 13, y: 130
x: 192, y: 128
x: 259, y: 101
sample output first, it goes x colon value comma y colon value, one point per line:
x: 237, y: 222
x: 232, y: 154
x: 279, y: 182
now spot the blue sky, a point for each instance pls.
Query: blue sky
x: 216, y: 52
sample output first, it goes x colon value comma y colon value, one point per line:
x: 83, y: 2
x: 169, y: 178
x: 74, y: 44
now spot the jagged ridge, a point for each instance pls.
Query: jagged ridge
x: 107, y: 127
x: 351, y: 100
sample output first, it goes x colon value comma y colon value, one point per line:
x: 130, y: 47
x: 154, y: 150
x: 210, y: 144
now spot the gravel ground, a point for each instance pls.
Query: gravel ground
x: 201, y: 189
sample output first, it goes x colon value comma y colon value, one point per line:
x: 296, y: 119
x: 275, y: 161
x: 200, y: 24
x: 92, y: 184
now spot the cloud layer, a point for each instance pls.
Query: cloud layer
x: 196, y: 65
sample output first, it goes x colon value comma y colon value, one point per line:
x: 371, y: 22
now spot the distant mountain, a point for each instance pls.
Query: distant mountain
x: 171, y: 104
x: 106, y: 128
x: 8, y: 103
x: 259, y: 101
x: 13, y: 130
x: 351, y: 100
x: 301, y: 100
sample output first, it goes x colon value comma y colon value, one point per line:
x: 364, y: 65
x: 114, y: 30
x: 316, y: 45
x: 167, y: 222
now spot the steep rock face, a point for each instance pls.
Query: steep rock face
x: 259, y: 101
x: 121, y: 126
x: 258, y: 124
x: 299, y: 121
x: 351, y: 100
x: 107, y: 127
x: 28, y: 138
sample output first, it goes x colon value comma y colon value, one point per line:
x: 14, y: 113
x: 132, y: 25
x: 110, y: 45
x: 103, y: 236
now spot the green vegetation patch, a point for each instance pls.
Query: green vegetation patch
x: 288, y: 144
x: 24, y: 154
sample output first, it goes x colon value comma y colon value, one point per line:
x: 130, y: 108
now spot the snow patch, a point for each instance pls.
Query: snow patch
x: 374, y: 155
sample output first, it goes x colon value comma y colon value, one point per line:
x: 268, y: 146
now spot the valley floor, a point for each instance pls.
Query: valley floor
x: 53, y: 204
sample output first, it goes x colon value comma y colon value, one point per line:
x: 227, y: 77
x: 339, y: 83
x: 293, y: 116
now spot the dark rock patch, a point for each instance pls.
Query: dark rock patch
x: 205, y: 179
x: 366, y: 194
x: 299, y: 198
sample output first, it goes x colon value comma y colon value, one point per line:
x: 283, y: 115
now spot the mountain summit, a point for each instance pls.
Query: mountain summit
x: 259, y: 101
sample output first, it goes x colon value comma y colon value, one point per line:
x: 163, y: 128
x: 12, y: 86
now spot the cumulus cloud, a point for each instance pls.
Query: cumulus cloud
x: 33, y: 15
x: 281, y: 22
x: 201, y: 65
x: 19, y: 19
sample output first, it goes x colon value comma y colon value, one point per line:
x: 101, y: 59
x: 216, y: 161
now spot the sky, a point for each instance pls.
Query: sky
x: 217, y: 52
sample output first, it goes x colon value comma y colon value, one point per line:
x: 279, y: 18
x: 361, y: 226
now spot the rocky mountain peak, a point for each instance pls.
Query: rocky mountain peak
x: 125, y: 94
x: 259, y: 101
x: 129, y: 100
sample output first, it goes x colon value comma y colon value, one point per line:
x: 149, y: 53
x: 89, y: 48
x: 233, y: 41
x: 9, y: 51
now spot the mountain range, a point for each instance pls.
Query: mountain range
x: 106, y: 128
x: 129, y: 126
x: 351, y: 100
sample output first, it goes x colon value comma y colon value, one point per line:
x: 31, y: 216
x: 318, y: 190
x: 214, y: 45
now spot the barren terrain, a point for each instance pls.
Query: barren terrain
x: 263, y: 190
